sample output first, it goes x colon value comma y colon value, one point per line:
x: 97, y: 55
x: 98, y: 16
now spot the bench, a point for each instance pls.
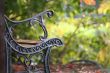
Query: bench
x: 41, y: 48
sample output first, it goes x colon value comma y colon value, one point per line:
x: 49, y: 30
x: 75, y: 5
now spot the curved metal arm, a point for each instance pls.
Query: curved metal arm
x: 37, y: 18
x: 44, y: 46
x: 45, y: 43
x: 48, y: 12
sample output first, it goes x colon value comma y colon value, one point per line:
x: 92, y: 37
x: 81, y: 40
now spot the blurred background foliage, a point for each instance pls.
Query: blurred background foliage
x: 86, y: 34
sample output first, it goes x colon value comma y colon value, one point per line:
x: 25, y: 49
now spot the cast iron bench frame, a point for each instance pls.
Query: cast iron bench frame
x: 43, y: 48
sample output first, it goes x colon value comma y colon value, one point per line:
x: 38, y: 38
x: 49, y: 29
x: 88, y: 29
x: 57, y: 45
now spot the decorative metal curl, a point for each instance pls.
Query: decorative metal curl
x: 37, y: 17
x: 43, y: 48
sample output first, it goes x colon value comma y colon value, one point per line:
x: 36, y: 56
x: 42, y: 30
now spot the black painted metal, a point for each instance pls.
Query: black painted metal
x: 43, y: 48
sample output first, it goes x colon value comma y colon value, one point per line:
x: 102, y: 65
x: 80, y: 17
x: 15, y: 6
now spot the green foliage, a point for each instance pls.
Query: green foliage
x: 84, y: 38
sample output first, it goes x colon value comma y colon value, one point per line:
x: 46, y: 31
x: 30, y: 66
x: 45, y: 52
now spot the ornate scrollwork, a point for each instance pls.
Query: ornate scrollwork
x: 44, y: 44
x: 37, y: 18
x: 43, y: 47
